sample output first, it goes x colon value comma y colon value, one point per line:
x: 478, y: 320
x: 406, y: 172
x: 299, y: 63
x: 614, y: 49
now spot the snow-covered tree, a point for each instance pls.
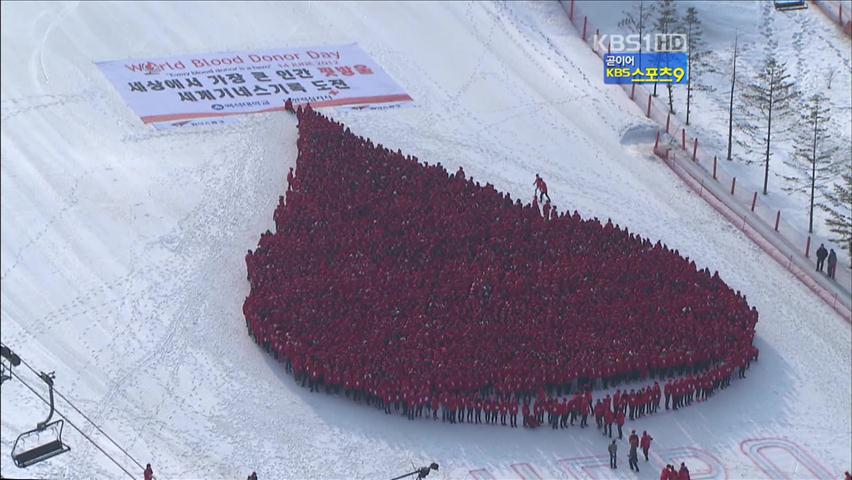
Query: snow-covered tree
x: 839, y: 210
x: 666, y: 22
x: 731, y: 106
x: 770, y: 97
x: 814, y: 151
x: 697, y: 50
x: 638, y: 21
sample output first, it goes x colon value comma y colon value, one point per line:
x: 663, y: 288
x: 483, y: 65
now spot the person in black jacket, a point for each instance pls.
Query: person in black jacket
x: 821, y: 254
x: 832, y: 263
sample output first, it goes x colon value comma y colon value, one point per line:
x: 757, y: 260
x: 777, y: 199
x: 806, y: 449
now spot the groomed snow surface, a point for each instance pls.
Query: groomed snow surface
x: 122, y: 247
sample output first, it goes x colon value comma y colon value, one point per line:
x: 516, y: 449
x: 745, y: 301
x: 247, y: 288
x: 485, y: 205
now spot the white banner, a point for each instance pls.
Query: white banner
x: 220, y: 84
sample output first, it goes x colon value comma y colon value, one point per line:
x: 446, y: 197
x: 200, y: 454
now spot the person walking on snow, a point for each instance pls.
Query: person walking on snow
x: 149, y: 472
x: 832, y: 263
x: 683, y: 474
x: 646, y: 444
x: 633, y: 457
x: 613, y: 449
x: 821, y: 254
x: 541, y: 188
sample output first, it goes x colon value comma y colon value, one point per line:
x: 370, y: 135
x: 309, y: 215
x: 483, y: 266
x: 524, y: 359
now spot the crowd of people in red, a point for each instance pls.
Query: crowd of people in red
x: 416, y: 290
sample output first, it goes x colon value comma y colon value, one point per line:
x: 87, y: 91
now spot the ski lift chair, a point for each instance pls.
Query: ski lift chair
x: 45, y: 441
x: 9, y: 356
x: 784, y: 5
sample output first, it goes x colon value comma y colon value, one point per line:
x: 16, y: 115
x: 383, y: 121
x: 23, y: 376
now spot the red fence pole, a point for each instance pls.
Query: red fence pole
x: 714, y: 167
x: 683, y: 138
x: 694, y: 148
x: 753, y: 201
x: 733, y: 185
x: 571, y: 11
x: 808, y: 247
x: 668, y: 119
x: 648, y: 113
x: 657, y: 141
x: 585, y: 24
x: 777, y: 220
x: 632, y: 91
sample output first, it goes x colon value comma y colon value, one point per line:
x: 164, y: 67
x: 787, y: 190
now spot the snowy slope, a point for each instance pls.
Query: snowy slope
x: 122, y: 247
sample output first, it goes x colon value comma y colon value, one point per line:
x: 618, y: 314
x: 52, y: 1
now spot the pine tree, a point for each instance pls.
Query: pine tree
x: 731, y: 106
x: 839, y: 211
x: 814, y: 150
x: 637, y: 22
x: 696, y: 51
x: 666, y: 22
x: 769, y: 97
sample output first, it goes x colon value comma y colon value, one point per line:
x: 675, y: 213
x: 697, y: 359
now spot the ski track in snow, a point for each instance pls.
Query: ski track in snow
x: 123, y: 246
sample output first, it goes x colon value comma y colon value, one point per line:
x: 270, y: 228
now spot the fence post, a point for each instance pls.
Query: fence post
x: 694, y: 148
x: 632, y: 90
x: 668, y: 119
x: 571, y: 11
x: 648, y: 113
x: 714, y: 167
x: 608, y: 45
x: 657, y: 141
x: 777, y: 219
x: 808, y: 247
x: 753, y: 201
x: 585, y: 24
x: 683, y: 138
x: 733, y: 185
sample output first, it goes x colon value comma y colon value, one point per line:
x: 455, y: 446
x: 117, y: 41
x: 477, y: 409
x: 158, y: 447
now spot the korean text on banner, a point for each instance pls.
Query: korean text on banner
x: 214, y: 85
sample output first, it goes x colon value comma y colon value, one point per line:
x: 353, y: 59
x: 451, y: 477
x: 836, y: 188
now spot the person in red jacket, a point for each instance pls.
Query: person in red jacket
x: 541, y: 188
x: 619, y: 420
x: 645, y: 443
x: 149, y: 472
x: 683, y: 474
x: 290, y: 178
x: 609, y: 418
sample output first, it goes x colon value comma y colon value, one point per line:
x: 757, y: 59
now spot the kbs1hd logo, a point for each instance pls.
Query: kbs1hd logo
x: 664, y: 58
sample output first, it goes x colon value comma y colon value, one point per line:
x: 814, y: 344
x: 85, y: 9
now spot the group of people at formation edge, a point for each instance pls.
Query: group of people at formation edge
x: 668, y: 473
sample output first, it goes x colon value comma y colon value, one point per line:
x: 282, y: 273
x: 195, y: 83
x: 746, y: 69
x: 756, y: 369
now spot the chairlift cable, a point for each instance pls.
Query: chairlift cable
x: 88, y: 419
x: 75, y: 426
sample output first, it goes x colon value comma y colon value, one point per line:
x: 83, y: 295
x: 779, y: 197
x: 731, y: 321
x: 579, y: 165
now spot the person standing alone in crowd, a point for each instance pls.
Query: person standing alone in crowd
x: 541, y: 188
x: 613, y: 450
x: 821, y: 254
x: 832, y: 263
